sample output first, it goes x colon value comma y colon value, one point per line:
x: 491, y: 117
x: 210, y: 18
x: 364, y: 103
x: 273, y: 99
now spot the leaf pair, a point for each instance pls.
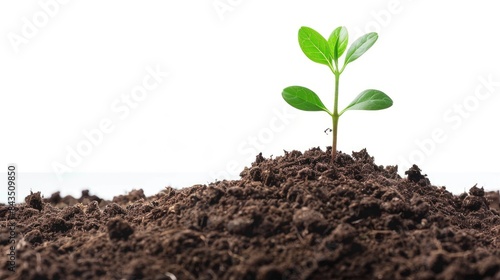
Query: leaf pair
x: 319, y: 50
x: 305, y: 99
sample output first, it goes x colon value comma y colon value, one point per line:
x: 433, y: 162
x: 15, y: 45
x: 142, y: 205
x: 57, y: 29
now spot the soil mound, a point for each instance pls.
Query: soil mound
x: 298, y: 216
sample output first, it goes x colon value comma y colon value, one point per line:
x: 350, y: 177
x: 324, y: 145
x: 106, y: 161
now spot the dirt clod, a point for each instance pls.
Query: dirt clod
x: 311, y: 220
x: 119, y: 229
x: 34, y: 237
x: 414, y: 175
x: 34, y: 200
x: 475, y: 191
x: 240, y: 225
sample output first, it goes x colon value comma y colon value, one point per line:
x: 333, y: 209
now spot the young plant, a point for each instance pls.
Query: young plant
x: 328, y: 52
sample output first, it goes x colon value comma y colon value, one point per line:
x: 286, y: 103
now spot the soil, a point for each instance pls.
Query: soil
x: 297, y: 216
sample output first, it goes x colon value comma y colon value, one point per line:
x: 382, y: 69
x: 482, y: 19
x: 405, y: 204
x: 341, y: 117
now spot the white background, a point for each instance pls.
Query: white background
x: 228, y: 61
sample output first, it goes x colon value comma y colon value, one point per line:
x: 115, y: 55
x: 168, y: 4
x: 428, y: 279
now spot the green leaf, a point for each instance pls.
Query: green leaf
x: 360, y: 46
x: 370, y: 99
x: 315, y: 46
x: 338, y: 41
x: 303, y: 99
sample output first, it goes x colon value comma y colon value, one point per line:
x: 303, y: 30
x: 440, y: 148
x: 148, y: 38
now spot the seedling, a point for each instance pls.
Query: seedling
x: 328, y: 52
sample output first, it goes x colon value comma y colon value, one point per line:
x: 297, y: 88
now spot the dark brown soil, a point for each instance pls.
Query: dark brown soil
x: 297, y: 216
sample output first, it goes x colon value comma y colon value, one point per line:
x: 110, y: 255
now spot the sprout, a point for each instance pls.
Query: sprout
x: 328, y: 52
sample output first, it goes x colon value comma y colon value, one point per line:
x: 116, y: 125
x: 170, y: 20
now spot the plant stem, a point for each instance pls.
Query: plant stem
x: 335, y: 116
x: 334, y: 144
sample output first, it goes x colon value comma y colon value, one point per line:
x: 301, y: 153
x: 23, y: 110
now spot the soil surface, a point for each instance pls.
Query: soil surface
x: 297, y: 216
